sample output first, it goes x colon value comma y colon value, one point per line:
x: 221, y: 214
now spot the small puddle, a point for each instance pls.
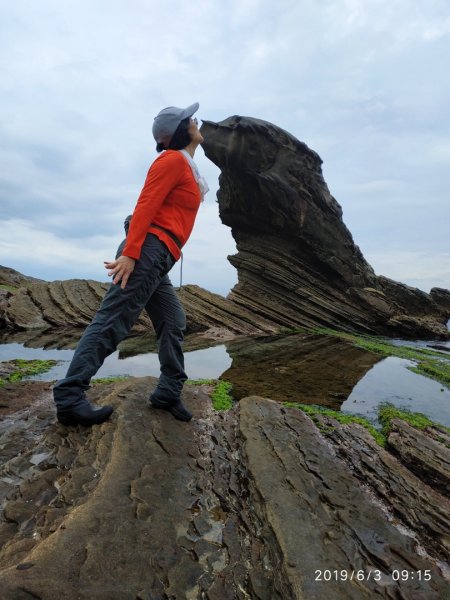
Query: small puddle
x: 390, y: 380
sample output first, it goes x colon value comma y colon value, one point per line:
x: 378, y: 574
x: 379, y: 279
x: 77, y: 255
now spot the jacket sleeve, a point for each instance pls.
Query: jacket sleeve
x: 163, y: 175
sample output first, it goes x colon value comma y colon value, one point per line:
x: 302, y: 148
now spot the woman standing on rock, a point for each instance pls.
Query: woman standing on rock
x: 159, y: 227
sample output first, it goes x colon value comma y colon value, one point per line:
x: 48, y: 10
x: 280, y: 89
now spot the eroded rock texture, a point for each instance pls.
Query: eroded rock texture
x: 27, y: 303
x: 297, y: 263
x: 251, y: 504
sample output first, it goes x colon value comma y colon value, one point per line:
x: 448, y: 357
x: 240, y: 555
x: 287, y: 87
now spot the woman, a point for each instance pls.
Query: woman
x: 159, y: 227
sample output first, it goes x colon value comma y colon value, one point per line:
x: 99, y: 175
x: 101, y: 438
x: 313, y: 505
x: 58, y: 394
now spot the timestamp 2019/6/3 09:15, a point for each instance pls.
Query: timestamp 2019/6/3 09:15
x: 374, y: 574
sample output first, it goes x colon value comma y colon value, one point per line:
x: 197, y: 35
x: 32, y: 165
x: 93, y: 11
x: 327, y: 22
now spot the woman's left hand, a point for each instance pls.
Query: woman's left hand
x: 120, y: 269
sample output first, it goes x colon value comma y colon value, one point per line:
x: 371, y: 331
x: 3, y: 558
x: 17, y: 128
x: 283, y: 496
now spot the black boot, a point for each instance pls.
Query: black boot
x: 176, y: 407
x: 83, y: 414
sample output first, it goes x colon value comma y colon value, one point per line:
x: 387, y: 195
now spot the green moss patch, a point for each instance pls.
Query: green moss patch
x: 430, y: 363
x: 201, y: 381
x: 315, y: 412
x: 387, y: 412
x: 221, y: 394
x: 17, y: 369
x: 438, y: 370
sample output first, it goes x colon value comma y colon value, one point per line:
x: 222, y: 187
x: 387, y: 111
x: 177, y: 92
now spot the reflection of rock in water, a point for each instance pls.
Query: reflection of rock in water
x: 305, y: 368
x: 67, y: 339
x: 49, y: 339
x: 144, y: 343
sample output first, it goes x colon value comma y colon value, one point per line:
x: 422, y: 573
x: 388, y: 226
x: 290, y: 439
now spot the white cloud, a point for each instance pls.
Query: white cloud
x: 22, y: 243
x: 418, y: 269
x: 435, y: 31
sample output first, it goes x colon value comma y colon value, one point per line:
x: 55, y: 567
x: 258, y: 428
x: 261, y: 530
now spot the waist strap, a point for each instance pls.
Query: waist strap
x: 169, y: 233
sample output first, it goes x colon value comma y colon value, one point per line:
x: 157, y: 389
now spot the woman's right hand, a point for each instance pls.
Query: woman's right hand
x: 120, y: 269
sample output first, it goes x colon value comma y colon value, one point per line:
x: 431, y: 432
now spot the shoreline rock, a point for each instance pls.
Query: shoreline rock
x: 252, y: 503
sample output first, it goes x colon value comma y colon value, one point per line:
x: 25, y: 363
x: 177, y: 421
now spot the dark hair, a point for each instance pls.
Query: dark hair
x: 180, y: 139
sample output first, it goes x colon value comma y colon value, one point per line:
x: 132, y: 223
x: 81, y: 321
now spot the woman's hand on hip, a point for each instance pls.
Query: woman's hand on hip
x: 120, y: 269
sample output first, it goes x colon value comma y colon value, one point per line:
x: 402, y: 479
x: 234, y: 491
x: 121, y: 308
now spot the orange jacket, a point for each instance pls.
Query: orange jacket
x: 170, y: 198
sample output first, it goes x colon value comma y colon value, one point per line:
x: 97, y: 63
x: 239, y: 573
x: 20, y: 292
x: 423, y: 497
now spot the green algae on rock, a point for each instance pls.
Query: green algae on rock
x: 18, y: 368
x: 115, y: 379
x: 430, y: 363
x: 323, y: 418
x: 387, y: 412
x: 221, y: 393
x: 317, y: 414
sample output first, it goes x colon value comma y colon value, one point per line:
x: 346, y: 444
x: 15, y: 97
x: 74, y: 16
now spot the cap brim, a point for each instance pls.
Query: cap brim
x: 190, y: 110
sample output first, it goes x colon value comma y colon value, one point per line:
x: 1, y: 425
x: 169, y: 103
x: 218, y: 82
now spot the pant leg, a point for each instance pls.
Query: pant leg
x: 116, y: 316
x: 169, y: 320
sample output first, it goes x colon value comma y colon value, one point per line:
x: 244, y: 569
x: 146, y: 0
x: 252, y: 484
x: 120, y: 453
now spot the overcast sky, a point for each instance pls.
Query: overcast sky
x: 365, y: 83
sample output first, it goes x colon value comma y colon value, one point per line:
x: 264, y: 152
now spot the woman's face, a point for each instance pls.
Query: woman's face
x: 194, y: 132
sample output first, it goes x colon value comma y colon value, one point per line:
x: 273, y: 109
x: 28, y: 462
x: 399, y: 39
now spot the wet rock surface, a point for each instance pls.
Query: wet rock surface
x: 255, y: 503
x: 297, y: 262
x: 20, y: 394
x: 426, y: 454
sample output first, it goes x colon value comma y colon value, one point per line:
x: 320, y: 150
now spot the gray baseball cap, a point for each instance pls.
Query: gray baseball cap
x: 167, y: 121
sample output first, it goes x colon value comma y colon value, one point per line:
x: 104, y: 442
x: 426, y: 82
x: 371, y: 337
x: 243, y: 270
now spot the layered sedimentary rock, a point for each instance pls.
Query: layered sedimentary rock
x: 255, y: 503
x: 297, y: 263
x: 27, y: 303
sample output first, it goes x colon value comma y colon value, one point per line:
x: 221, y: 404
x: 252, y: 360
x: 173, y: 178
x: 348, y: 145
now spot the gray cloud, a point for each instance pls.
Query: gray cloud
x: 363, y: 83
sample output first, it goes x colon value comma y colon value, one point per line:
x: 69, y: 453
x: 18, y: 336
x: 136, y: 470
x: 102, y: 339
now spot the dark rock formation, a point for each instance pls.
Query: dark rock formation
x: 251, y: 504
x: 297, y: 263
x: 27, y: 303
x: 441, y: 297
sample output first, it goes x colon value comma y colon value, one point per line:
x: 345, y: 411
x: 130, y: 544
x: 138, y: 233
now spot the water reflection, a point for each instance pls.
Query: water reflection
x: 136, y: 356
x: 306, y: 368
x: 67, y: 339
x: 47, y: 339
x: 391, y: 381
x: 313, y: 369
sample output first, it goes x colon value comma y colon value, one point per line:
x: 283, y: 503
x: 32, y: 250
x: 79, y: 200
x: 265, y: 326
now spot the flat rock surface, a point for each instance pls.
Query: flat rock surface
x: 252, y: 503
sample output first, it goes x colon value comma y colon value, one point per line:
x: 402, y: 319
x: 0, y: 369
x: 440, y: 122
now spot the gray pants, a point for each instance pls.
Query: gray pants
x: 148, y: 287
